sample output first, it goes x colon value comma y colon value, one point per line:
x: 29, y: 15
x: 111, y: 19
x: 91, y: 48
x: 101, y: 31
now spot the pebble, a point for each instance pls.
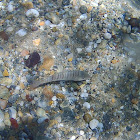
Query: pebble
x: 3, y: 103
x: 32, y: 13
x: 12, y: 99
x: 1, y: 116
x: 4, y: 92
x: 83, y: 9
x: 53, y: 18
x: 48, y: 63
x: 93, y: 123
x: 10, y: 8
x: 48, y: 92
x: 42, y: 104
x: 40, y: 112
x: 10, y: 29
x: 12, y: 113
x: 5, y: 81
x: 21, y: 32
x: 42, y: 119
x: 65, y: 2
x: 4, y: 36
x: 84, y: 95
x: 87, y: 105
x: 107, y: 35
x: 5, y: 73
x: 87, y: 117
x: 2, y: 126
x: 36, y: 42
x: 33, y: 59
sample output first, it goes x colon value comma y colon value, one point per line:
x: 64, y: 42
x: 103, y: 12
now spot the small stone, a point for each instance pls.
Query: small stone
x: 47, y: 91
x: 114, y: 61
x: 32, y: 13
x: 3, y: 103
x: 48, y: 62
x: 7, y: 119
x: 5, y: 73
x: 53, y: 18
x: 84, y: 95
x: 21, y: 32
x: 36, y: 42
x: 65, y: 2
x: 28, y: 5
x: 42, y: 119
x: 4, y: 36
x: 33, y: 59
x: 12, y: 99
x: 20, y: 114
x: 42, y: 23
x: 40, y: 112
x: 83, y: 9
x: 54, y: 98
x: 9, y: 29
x: 81, y: 132
x: 12, y: 112
x: 60, y: 96
x: 24, y: 53
x: 2, y: 126
x: 87, y: 105
x: 113, y: 100
x: 87, y: 117
x: 10, y: 8
x: 107, y: 35
x: 70, y: 59
x: 14, y: 123
x: 1, y: 116
x: 4, y: 92
x: 68, y: 115
x: 42, y: 104
x: 93, y: 123
x: 89, y: 9
x: 135, y: 101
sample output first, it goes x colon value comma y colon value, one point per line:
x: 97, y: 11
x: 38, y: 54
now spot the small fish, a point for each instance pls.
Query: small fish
x: 62, y: 76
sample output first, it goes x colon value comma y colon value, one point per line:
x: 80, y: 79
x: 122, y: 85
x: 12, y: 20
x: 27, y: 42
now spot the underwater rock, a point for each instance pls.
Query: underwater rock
x: 33, y: 59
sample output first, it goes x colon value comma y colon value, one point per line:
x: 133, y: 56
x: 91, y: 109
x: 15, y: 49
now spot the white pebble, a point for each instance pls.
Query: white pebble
x: 89, y: 49
x: 48, y: 23
x: 1, y: 116
x: 32, y: 13
x: 73, y: 138
x: 79, y: 50
x: 82, y: 132
x: 93, y: 123
x: 10, y: 29
x: 84, y: 95
x: 10, y: 8
x: 54, y: 98
x: 83, y: 16
x: 95, y: 45
x: 12, y: 113
x: 87, y: 105
x: 107, y: 35
x: 21, y: 32
x: 98, y: 40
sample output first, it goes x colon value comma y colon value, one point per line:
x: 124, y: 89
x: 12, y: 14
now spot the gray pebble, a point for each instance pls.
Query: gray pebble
x: 65, y: 2
x: 83, y: 9
x: 13, y: 98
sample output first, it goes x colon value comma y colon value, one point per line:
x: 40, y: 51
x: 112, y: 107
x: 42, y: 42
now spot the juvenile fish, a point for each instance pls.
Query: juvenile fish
x: 62, y: 76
